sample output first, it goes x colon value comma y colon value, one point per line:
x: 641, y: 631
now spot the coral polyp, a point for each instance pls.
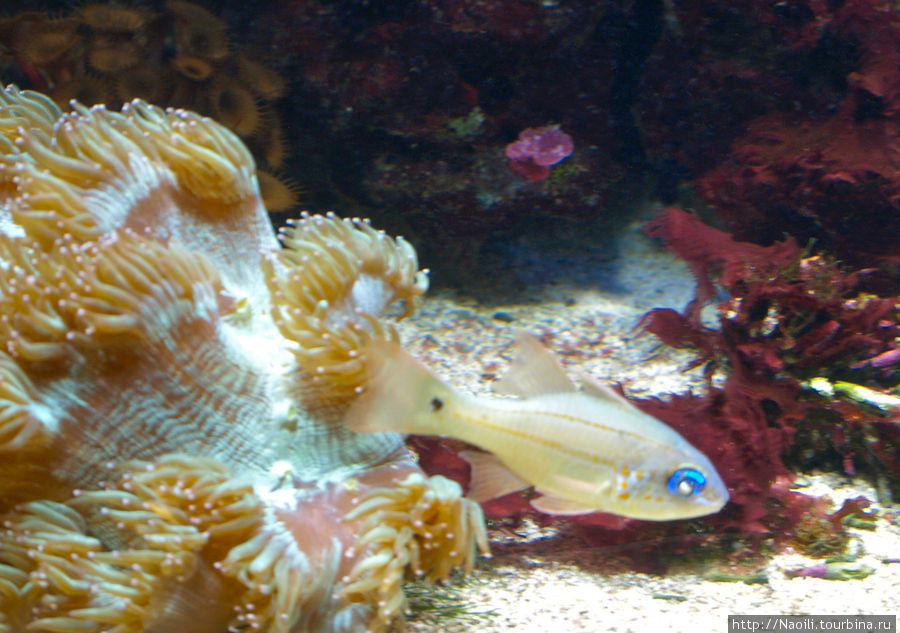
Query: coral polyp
x: 180, y: 55
x: 172, y: 389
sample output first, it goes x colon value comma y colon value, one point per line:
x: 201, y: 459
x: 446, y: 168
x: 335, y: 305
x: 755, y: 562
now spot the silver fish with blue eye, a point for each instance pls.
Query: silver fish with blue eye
x: 584, y: 450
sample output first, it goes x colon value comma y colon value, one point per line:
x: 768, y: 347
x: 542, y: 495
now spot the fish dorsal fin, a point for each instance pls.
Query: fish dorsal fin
x: 597, y: 389
x: 559, y: 507
x: 490, y: 478
x: 534, y: 371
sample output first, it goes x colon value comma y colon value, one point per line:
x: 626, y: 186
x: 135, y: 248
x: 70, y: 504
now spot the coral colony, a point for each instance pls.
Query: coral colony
x: 172, y: 387
x: 537, y: 149
x: 181, y: 56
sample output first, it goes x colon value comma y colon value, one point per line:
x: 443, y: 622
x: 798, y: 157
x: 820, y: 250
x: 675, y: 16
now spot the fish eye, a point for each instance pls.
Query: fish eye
x: 686, y: 482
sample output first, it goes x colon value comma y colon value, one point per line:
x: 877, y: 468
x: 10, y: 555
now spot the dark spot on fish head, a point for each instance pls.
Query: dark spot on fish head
x: 436, y: 404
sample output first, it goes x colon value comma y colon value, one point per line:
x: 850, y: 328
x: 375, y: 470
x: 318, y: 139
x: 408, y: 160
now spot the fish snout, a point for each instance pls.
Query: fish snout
x: 717, y: 494
x: 699, y: 485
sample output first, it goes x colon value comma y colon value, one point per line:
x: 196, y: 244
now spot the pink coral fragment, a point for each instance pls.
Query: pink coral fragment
x: 530, y: 171
x: 541, y: 145
x: 537, y: 149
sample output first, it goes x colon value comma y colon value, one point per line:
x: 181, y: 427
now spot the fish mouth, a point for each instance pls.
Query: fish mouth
x: 716, y: 501
x: 704, y: 506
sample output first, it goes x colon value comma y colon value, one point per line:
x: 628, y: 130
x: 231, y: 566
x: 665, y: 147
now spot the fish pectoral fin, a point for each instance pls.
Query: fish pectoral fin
x: 490, y: 477
x: 534, y: 371
x: 559, y: 507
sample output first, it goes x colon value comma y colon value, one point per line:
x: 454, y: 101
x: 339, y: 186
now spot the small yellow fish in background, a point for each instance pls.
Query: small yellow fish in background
x: 584, y: 451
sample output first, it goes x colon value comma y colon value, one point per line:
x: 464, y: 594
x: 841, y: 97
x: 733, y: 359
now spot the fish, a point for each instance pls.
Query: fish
x: 583, y: 450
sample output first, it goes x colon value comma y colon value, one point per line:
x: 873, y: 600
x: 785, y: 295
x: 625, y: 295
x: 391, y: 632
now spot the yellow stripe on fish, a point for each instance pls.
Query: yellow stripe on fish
x: 584, y: 451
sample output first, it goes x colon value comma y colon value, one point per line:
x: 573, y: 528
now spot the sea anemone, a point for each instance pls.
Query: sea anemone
x: 40, y: 41
x: 198, y: 32
x: 112, y: 19
x: 362, y: 271
x: 194, y: 68
x: 143, y: 82
x: 235, y: 106
x: 180, y: 57
x: 83, y: 89
x: 172, y: 390
x: 259, y: 78
x: 278, y: 192
x: 269, y: 141
x: 114, y: 56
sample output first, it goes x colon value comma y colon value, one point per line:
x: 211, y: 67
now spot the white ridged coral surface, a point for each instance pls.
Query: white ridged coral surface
x: 172, y: 385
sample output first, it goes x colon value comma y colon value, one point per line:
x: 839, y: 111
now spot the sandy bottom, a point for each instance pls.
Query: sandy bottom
x: 546, y: 579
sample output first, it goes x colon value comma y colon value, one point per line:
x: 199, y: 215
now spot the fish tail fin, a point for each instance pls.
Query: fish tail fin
x: 397, y: 395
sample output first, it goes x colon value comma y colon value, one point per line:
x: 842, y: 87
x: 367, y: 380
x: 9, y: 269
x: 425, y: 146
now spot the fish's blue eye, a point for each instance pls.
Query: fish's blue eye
x: 686, y: 482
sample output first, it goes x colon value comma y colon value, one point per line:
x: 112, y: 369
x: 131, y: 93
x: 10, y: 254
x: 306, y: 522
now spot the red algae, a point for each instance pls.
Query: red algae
x: 827, y: 175
x: 788, y: 316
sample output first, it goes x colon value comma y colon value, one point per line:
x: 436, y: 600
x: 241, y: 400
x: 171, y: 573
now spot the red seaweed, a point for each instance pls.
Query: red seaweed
x: 787, y: 316
x: 830, y: 175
